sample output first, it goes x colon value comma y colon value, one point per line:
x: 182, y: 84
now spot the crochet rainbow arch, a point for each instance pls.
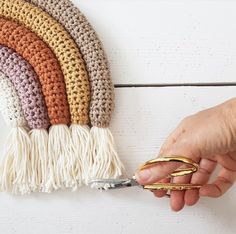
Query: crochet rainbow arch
x: 56, y: 93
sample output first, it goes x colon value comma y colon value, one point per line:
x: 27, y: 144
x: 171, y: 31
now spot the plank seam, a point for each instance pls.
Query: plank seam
x: 174, y: 85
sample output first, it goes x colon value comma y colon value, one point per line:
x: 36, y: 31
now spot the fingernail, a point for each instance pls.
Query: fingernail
x: 143, y: 175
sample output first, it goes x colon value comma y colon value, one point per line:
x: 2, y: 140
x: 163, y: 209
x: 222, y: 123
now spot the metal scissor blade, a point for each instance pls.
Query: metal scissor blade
x: 106, y: 184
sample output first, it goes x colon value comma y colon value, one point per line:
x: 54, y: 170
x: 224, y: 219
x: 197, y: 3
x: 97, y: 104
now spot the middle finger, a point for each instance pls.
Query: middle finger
x: 177, y: 197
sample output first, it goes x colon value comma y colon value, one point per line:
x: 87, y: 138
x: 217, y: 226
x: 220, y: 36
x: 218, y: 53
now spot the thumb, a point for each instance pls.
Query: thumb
x: 155, y: 173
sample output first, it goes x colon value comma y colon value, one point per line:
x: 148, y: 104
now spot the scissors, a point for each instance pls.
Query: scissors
x: 190, y: 168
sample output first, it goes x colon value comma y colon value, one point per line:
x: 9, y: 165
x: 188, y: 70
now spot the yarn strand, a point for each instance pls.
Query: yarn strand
x: 106, y: 162
x: 82, y: 161
x: 59, y: 152
x: 39, y: 159
x: 14, y: 168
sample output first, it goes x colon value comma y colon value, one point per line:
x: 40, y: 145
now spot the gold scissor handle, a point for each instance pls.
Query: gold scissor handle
x: 192, y: 168
x: 171, y: 186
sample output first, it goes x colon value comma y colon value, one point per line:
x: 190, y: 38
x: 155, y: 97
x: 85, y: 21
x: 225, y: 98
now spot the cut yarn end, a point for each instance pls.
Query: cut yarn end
x: 82, y: 159
x: 16, y: 168
x: 40, y: 166
x: 60, y: 153
x: 106, y: 162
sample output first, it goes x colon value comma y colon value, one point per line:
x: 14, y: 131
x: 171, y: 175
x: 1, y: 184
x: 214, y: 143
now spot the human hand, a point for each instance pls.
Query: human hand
x: 209, y: 138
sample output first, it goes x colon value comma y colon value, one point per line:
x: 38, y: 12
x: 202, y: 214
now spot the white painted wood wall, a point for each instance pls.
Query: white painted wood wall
x: 155, y: 42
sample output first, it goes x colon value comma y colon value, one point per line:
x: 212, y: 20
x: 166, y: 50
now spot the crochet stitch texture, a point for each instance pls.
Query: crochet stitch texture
x: 56, y: 41
x: 63, y: 46
x: 102, y: 91
x: 104, y: 161
x: 27, y: 86
x: 36, y: 52
x: 10, y: 107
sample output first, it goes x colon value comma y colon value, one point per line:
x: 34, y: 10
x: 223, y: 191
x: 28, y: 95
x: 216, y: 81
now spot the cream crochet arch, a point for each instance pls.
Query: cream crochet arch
x: 10, y: 107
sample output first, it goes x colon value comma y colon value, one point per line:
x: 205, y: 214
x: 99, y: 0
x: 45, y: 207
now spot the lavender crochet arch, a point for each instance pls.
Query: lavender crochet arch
x: 27, y: 86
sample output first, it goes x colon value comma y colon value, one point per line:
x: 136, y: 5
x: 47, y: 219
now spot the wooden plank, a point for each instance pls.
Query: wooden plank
x: 142, y: 120
x: 162, y: 42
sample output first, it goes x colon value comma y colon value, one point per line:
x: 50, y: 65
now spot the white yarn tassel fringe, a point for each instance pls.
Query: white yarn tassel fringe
x: 82, y: 160
x: 39, y: 160
x: 16, y: 168
x: 106, y: 164
x: 60, y: 155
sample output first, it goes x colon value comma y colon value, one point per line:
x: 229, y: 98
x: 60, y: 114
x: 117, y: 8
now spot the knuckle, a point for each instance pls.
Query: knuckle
x: 204, y: 171
x: 225, y: 180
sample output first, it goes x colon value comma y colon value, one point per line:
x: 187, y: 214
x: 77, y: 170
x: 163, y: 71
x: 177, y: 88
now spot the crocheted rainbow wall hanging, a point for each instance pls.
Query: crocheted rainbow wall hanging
x: 55, y: 84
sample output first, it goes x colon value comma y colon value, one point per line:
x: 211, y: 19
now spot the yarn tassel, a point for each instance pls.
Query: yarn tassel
x: 107, y: 164
x: 60, y: 155
x: 39, y: 160
x: 16, y: 168
x: 82, y: 160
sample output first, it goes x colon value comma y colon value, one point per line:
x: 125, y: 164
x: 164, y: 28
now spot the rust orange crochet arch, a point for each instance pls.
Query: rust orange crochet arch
x: 46, y: 66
